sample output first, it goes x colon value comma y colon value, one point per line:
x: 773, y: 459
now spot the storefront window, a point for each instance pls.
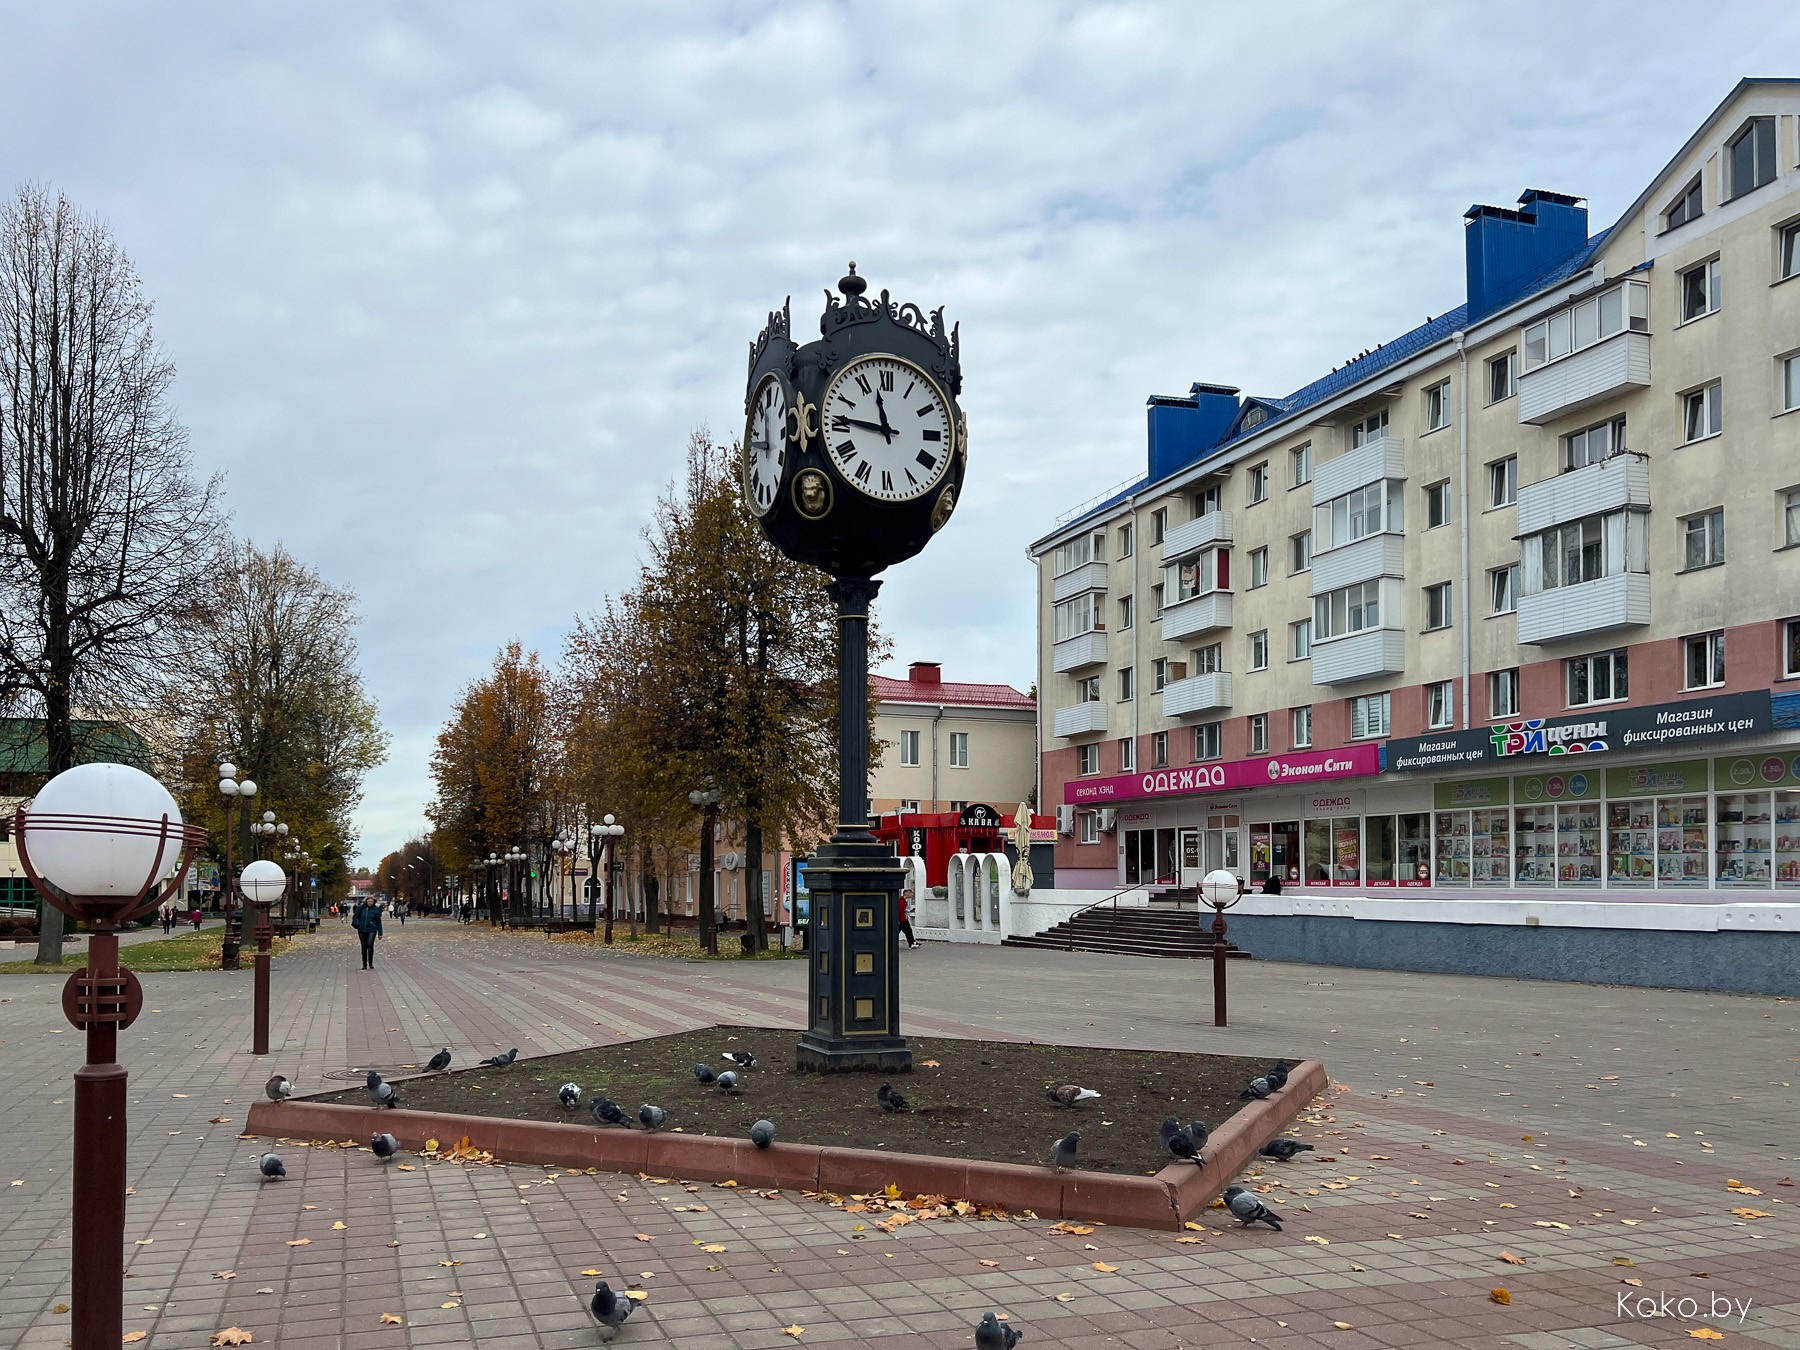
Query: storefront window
x: 1658, y: 841
x: 1744, y: 835
x: 1578, y: 844
x: 1275, y: 850
x: 1472, y: 847
x: 1534, y: 846
x: 1334, y: 851
x: 1787, y: 840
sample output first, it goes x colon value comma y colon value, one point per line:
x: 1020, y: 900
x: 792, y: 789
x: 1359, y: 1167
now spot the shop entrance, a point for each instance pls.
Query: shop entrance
x: 1209, y: 849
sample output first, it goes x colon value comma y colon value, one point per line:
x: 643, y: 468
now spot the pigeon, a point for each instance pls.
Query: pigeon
x: 742, y: 1058
x: 383, y: 1146
x: 1259, y: 1088
x: 380, y: 1093
x: 1062, y: 1152
x: 439, y: 1062
x: 1069, y: 1093
x: 1248, y: 1208
x: 762, y: 1134
x: 1278, y: 1075
x: 729, y: 1080
x: 1181, y: 1144
x: 569, y: 1094
x: 890, y: 1100
x: 703, y: 1075
x: 609, y: 1309
x: 651, y: 1117
x: 1197, y: 1131
x: 271, y: 1167
x: 501, y: 1061
x: 607, y: 1112
x: 1284, y: 1149
x: 1170, y: 1128
x: 278, y: 1087
x: 993, y: 1334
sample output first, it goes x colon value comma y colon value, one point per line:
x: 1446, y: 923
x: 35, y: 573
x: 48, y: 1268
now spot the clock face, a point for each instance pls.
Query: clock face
x: 765, y: 445
x: 887, y: 428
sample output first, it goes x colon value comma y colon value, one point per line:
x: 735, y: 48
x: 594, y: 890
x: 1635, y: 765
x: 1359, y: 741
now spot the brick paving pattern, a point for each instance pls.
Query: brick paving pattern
x: 1574, y: 1127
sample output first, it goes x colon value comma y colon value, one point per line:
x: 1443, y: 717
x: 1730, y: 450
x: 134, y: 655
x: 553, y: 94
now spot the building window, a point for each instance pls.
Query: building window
x: 1700, y: 291
x: 1356, y: 515
x: 1703, y: 539
x: 1790, y: 518
x: 1437, y: 406
x: 1303, y: 727
x: 1089, y: 821
x: 1208, y: 660
x: 1437, y: 505
x: 1703, y: 659
x: 1503, y: 693
x: 1349, y: 610
x: 1300, y: 552
x: 1207, y: 741
x: 1125, y: 541
x: 1371, y: 428
x: 1125, y: 606
x: 1159, y: 750
x: 1684, y: 208
x: 1300, y: 640
x: 1700, y: 413
x: 1790, y: 383
x: 1127, y: 684
x: 1076, y: 616
x: 1156, y: 600
x: 1790, y: 649
x: 1787, y: 261
x: 1259, y: 734
x: 1259, y: 568
x: 1206, y: 502
x: 1437, y: 606
x: 1750, y: 157
x: 1301, y: 459
x: 1595, y: 319
x: 1127, y: 754
x: 1503, y: 589
x: 1600, y: 678
x: 910, y: 806
x: 1259, y: 483
x: 1088, y: 690
x: 1259, y: 649
x: 1503, y: 481
x: 1159, y: 524
x: 909, y: 749
x: 1593, y: 444
x: 1368, y: 717
x: 1440, y: 705
x: 1159, y: 674
x: 1503, y: 376
x: 1585, y: 550
x: 1087, y: 759
x: 1207, y: 571
x: 1079, y: 553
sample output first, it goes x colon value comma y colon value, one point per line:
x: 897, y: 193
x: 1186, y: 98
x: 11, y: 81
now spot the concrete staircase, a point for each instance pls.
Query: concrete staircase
x: 1169, y: 926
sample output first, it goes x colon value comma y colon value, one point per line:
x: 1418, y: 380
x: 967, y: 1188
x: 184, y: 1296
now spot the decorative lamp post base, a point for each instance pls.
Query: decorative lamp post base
x: 853, y: 980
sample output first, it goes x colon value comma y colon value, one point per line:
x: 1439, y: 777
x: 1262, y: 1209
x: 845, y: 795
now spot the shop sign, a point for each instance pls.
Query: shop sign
x: 1694, y: 719
x: 1045, y: 835
x: 1658, y: 780
x: 915, y: 842
x: 1474, y: 792
x: 979, y: 816
x: 1307, y: 766
x: 1574, y: 786
x: 1756, y: 771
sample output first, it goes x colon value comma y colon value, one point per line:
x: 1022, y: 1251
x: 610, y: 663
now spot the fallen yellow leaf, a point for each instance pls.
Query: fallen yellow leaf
x: 585, y: 1272
x: 1103, y: 1268
x: 1341, y: 1326
x: 1065, y: 1298
x: 431, y: 1146
x: 643, y: 1237
x: 300, y: 1242
x: 989, y: 1264
x: 405, y: 1167
x: 1752, y: 1213
x: 1323, y: 1242
x: 340, y: 1224
x: 713, y: 1247
x: 794, y: 1330
x: 133, y: 1337
x: 224, y: 1274
x: 392, y: 1320
x: 1501, y: 1296
x: 1706, y: 1334
x: 451, y: 1304
x: 637, y: 1294
x: 928, y: 1064
x: 1512, y: 1260
x: 232, y: 1336
x: 60, y: 1309
x: 458, y: 1263
x: 1623, y: 1261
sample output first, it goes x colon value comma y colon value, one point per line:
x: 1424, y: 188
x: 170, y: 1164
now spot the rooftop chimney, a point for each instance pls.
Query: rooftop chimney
x: 1508, y: 249
x: 925, y: 672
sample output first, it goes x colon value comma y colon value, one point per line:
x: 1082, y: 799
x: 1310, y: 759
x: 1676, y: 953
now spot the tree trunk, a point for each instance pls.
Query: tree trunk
x: 652, y: 919
x: 59, y: 737
x: 754, y: 880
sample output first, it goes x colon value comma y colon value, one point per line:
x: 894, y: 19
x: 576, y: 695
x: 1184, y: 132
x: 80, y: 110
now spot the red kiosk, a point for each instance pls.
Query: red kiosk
x: 938, y: 836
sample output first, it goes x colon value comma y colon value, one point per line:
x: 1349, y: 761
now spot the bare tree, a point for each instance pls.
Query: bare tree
x: 105, y: 536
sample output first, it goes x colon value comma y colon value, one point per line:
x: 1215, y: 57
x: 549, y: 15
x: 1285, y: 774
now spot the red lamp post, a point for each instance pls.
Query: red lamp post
x: 102, y: 843
x: 263, y: 882
x: 1221, y: 890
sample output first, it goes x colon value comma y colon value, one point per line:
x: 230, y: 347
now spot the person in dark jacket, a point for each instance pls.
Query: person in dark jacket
x: 366, y: 920
x: 1273, y: 885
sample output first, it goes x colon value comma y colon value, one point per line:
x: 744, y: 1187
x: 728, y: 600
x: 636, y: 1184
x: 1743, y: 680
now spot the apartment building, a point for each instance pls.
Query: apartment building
x: 946, y: 746
x: 1510, y: 603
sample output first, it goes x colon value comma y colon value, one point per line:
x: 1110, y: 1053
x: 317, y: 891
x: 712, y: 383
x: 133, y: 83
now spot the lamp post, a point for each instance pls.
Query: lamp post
x: 708, y: 801
x: 600, y: 837
x: 515, y: 880
x: 492, y: 865
x: 1219, y: 889
x: 263, y: 883
x: 560, y: 850
x: 233, y: 790
x: 103, y: 843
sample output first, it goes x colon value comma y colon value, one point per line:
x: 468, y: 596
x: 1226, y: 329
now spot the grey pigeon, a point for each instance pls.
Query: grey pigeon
x: 1259, y: 1088
x: 891, y: 1100
x: 271, y: 1167
x: 1181, y: 1145
x: 380, y: 1093
x: 703, y: 1075
x: 1170, y: 1128
x: 439, y: 1062
x: 1248, y: 1208
x: 729, y: 1080
x: 762, y: 1134
x: 993, y: 1334
x: 742, y: 1058
x: 1283, y: 1149
x: 651, y: 1117
x: 501, y: 1061
x: 383, y: 1146
x: 1197, y: 1131
x: 278, y: 1087
x: 607, y: 1112
x: 1069, y: 1094
x: 609, y: 1309
x: 1278, y: 1075
x: 1062, y: 1152
x: 569, y: 1094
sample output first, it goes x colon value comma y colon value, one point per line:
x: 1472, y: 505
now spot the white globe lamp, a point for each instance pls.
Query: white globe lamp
x: 263, y: 882
x: 98, y: 830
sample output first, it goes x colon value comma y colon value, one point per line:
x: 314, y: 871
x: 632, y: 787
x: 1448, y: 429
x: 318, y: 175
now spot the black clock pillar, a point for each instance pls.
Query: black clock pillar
x: 853, y: 982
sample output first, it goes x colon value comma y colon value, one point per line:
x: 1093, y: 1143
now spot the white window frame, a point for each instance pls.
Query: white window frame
x: 1440, y: 705
x: 1300, y: 459
x: 1127, y: 754
x: 959, y: 749
x: 1790, y: 518
x: 1615, y: 662
x: 1206, y: 660
x: 1374, y: 508
x: 1259, y: 650
x: 1503, y: 693
x: 1259, y: 733
x: 1787, y: 250
x: 1125, y: 539
x: 1703, y: 535
x: 1088, y: 825
x: 1078, y: 552
x: 1707, y: 651
x: 1259, y: 568
x: 1374, y: 427
x: 1437, y: 407
x: 1370, y: 717
x: 1584, y: 550
x: 1687, y: 206
x: 1209, y: 741
x: 1299, y: 553
x: 1076, y: 616
x: 917, y: 739
x: 1159, y: 674
x: 1503, y: 589
x: 1702, y: 413
x: 1437, y: 497
x: 1503, y: 482
x: 1698, y: 289
x: 1618, y: 309
x: 1127, y: 604
x: 1438, y: 596
x: 1257, y: 481
x: 1127, y: 683
x: 1159, y: 749
x: 1300, y: 640
x: 1592, y: 444
x: 1087, y: 689
x: 1762, y: 174
x: 909, y: 806
x: 1159, y: 525
x: 1302, y: 727
x: 1787, y: 382
x: 1208, y: 501
x: 1790, y: 649
x: 1506, y: 367
x: 1361, y: 611
x: 1087, y: 760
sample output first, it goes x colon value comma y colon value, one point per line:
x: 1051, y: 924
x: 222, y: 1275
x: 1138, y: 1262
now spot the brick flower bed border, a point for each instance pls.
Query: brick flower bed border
x: 1167, y: 1200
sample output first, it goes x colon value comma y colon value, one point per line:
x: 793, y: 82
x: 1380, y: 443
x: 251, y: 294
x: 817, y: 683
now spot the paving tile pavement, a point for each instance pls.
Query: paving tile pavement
x: 1574, y: 1127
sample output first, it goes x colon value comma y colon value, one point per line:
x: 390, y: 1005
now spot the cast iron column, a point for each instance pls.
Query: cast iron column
x: 260, y: 1022
x: 709, y: 899
x: 97, y: 1245
x: 1218, y: 960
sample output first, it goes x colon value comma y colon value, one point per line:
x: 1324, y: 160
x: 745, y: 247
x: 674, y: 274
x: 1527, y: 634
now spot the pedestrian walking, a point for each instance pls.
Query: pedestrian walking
x: 367, y: 921
x: 195, y: 916
x: 906, y: 930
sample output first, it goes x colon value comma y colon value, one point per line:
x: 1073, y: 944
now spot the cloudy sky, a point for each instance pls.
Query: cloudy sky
x: 448, y: 286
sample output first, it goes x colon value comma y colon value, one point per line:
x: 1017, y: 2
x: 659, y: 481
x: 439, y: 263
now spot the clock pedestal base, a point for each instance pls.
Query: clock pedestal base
x: 853, y: 975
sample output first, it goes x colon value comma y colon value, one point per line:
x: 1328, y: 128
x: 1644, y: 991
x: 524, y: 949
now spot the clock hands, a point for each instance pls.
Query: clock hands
x: 857, y: 422
x: 887, y: 432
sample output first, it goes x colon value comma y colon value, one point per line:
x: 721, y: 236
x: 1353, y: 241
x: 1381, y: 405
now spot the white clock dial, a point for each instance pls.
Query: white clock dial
x: 887, y: 428
x: 765, y: 445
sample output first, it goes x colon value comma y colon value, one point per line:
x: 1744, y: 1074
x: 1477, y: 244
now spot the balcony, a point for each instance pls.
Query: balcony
x: 1087, y: 577
x: 1359, y: 656
x: 1598, y: 606
x: 1593, y: 490
x: 1620, y: 363
x: 1088, y: 649
x: 1370, y: 462
x: 1202, y: 614
x: 1199, y: 533
x: 1375, y: 555
x: 1082, y: 719
x: 1197, y: 694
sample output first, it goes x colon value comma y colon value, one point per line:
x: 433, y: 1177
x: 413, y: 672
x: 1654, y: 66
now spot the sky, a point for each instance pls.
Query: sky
x: 448, y: 286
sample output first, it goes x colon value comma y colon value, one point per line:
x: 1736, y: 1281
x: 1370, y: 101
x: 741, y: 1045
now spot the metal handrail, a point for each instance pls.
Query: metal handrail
x: 1112, y: 900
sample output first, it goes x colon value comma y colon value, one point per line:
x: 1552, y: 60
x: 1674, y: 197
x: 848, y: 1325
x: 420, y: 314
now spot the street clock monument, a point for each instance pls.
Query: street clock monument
x: 854, y: 453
